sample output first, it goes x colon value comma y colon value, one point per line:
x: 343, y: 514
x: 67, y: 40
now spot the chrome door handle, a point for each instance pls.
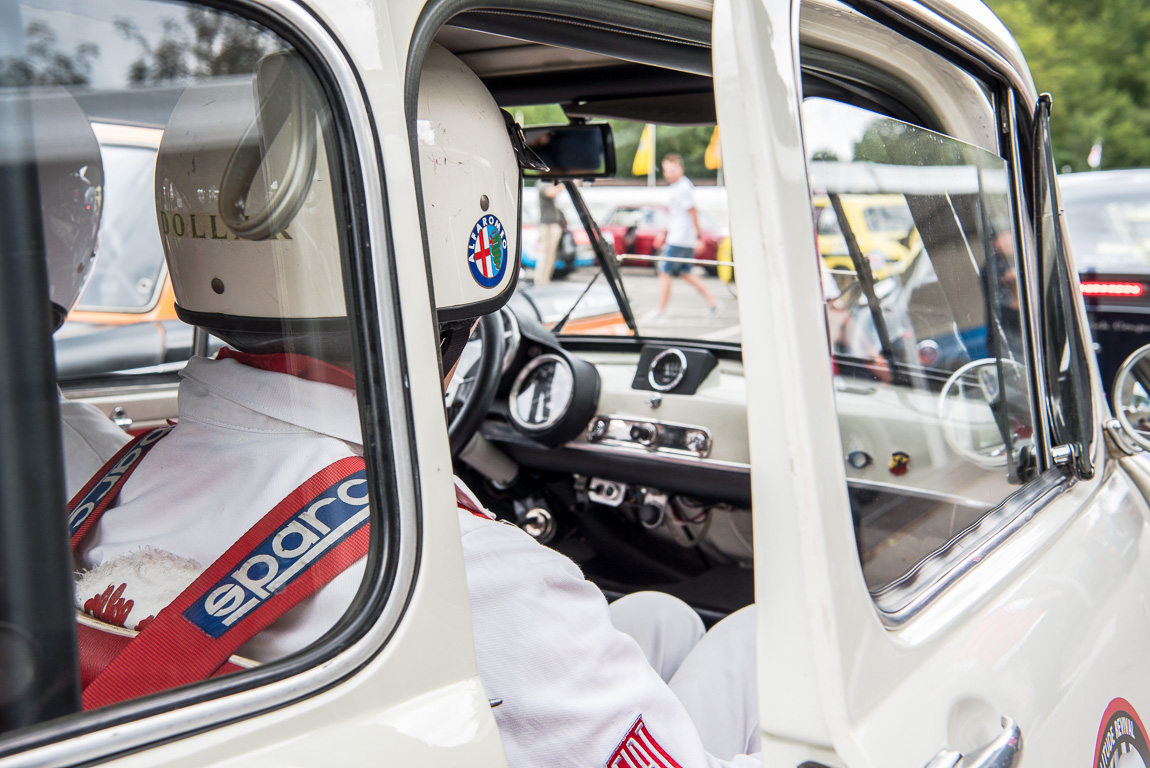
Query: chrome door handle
x: 1003, y: 752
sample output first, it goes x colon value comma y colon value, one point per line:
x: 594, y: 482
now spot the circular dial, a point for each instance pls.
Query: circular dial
x: 542, y: 393
x: 667, y: 370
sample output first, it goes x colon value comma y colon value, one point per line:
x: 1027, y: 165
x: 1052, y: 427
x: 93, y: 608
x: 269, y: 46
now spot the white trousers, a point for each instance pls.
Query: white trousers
x: 712, y: 673
x: 549, y: 235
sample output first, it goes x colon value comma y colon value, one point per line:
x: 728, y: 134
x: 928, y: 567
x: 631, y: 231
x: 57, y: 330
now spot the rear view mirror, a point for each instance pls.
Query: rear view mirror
x: 576, y: 151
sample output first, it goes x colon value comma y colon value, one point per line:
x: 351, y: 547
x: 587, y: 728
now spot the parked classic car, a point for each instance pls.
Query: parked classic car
x: 948, y: 563
x: 1108, y: 216
x: 641, y: 230
x: 882, y: 225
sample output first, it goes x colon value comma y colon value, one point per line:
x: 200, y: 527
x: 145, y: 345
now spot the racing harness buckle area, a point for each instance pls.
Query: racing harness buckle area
x: 318, y: 531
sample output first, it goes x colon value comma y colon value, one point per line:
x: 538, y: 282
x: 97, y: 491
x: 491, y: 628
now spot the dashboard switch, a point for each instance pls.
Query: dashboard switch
x: 597, y: 429
x: 643, y: 433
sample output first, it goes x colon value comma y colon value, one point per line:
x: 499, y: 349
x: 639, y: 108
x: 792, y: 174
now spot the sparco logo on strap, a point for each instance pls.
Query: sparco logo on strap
x: 99, y: 488
x: 283, y: 556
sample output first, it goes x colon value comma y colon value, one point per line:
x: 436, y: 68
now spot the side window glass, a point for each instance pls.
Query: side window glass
x: 130, y: 273
x: 1067, y: 374
x: 238, y: 531
x: 917, y: 250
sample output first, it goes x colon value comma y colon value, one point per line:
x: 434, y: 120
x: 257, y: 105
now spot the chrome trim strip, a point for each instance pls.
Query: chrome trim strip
x: 675, y: 458
x: 675, y: 260
x: 1028, y: 268
x: 135, y: 391
x: 667, y: 430
x: 181, y: 720
x: 902, y: 600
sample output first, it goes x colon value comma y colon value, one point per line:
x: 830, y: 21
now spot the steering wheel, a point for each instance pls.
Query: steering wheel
x: 986, y: 370
x: 475, y: 394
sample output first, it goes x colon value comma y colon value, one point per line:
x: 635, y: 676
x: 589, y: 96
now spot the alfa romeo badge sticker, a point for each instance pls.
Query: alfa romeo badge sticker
x: 1121, y: 738
x: 487, y: 251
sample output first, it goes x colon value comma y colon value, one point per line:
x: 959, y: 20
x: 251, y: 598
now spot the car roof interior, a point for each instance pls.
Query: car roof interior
x: 605, y: 70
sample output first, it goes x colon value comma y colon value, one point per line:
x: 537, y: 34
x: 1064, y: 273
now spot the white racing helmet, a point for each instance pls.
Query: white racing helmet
x: 470, y: 153
x: 71, y: 179
x: 247, y: 215
x: 471, y: 189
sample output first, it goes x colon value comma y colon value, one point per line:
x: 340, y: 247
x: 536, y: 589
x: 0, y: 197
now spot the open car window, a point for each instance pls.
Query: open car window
x: 920, y: 280
x: 639, y: 217
x: 130, y: 273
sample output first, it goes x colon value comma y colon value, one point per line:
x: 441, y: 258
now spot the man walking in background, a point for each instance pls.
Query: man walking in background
x: 682, y: 234
x: 550, y: 231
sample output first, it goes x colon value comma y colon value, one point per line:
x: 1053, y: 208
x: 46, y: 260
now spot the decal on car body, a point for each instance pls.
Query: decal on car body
x: 1121, y: 738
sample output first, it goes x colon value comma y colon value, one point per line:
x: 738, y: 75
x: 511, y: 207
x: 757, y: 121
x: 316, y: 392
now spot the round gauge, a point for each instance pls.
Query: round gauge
x: 542, y: 393
x: 667, y: 370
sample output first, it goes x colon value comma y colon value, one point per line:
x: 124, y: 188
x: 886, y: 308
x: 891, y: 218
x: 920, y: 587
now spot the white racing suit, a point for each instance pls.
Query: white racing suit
x: 575, y: 690
x: 89, y: 439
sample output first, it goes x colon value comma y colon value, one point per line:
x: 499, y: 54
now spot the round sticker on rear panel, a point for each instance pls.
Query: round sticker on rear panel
x: 487, y: 251
x: 1121, y: 738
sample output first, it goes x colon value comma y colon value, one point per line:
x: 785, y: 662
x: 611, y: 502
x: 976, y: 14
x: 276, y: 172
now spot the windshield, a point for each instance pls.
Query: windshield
x: 677, y: 274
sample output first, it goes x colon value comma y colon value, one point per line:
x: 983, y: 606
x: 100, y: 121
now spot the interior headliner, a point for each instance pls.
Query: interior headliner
x: 588, y: 84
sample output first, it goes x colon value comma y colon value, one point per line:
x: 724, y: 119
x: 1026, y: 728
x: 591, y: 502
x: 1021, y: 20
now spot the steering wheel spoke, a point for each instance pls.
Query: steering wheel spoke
x: 473, y: 398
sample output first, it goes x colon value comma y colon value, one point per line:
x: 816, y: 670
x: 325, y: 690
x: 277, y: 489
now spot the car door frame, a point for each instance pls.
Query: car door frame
x: 836, y: 681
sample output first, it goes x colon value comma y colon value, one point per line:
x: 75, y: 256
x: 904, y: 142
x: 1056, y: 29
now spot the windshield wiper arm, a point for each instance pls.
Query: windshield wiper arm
x: 866, y: 282
x: 555, y: 329
x: 605, y: 256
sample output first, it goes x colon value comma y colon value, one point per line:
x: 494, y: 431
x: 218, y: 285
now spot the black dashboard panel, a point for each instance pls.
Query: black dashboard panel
x: 697, y: 365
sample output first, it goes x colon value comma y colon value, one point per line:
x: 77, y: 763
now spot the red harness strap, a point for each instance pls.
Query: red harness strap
x: 308, y: 539
x: 99, y: 646
x: 467, y: 504
x: 94, y: 498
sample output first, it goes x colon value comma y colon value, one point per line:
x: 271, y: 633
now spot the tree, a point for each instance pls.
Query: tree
x: 45, y: 64
x: 824, y: 156
x: 1094, y: 59
x: 893, y: 142
x: 209, y: 43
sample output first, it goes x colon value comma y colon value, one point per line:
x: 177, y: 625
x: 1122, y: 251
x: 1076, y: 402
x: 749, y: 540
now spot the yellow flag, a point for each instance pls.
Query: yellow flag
x: 713, y: 158
x: 642, y: 164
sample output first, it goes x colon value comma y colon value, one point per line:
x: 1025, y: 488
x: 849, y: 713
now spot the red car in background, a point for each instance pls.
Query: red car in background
x: 640, y: 230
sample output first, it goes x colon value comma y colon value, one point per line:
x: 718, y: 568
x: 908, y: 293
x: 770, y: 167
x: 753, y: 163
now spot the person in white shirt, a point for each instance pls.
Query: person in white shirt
x: 279, y: 407
x: 682, y: 234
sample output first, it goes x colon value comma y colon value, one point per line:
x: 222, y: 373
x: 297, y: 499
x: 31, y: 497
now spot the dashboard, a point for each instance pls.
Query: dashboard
x: 629, y: 456
x: 669, y: 414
